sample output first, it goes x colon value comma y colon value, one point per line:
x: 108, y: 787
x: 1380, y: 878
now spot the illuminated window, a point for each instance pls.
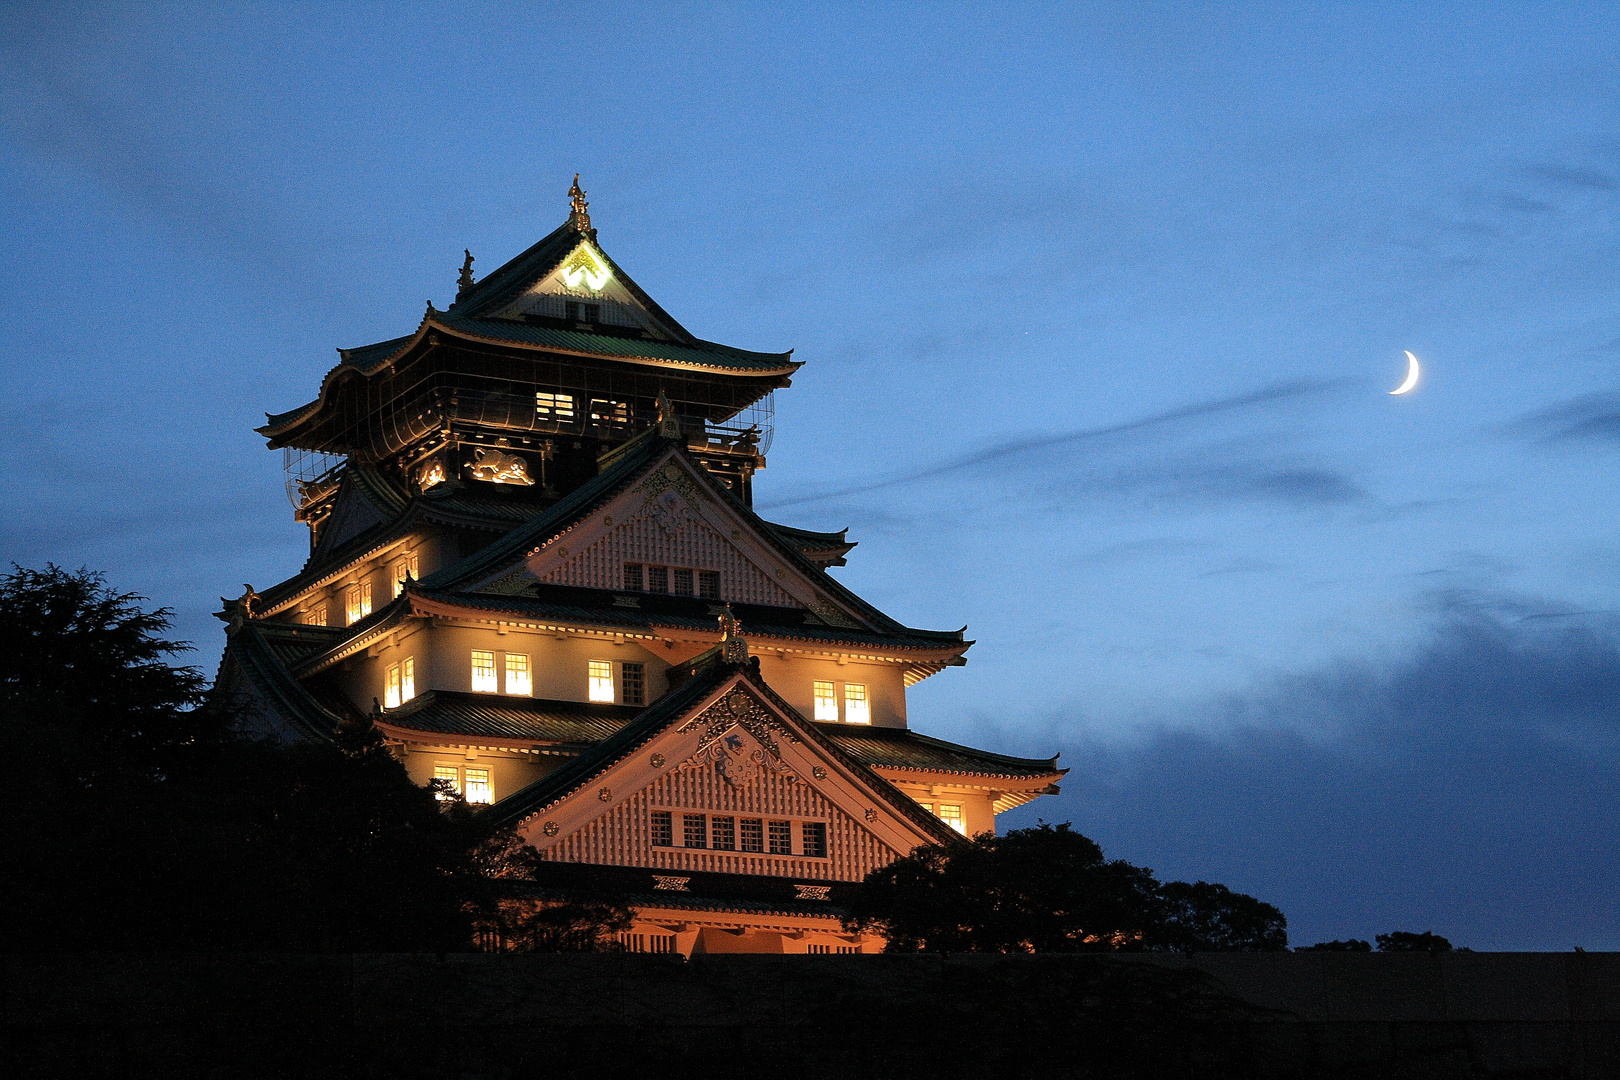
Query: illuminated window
x: 632, y: 577
x: 483, y: 672
x: 683, y: 582
x: 928, y: 806
x: 601, y: 676
x: 663, y: 829
x: 478, y: 789
x: 709, y: 584
x: 696, y: 828
x: 658, y: 579
x: 752, y: 834
x: 610, y: 414
x: 451, y: 777
x: 826, y: 703
x: 406, y: 567
x: 855, y: 705
x: 951, y: 814
x: 391, y: 688
x: 781, y: 837
x: 517, y: 674
x: 815, y: 839
x: 725, y: 833
x: 554, y: 406
x: 635, y: 683
x: 407, y: 679
x: 316, y: 616
x: 359, y: 601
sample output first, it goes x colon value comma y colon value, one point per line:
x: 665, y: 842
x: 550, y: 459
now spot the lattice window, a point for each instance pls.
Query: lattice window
x: 725, y: 833
x: 709, y: 584
x: 407, y: 679
x: 601, y: 680
x: 483, y: 671
x: 856, y: 708
x: 951, y: 814
x: 826, y: 703
x: 815, y: 839
x: 682, y: 582
x: 632, y: 577
x: 406, y: 567
x: 478, y: 788
x: 550, y: 406
x: 451, y: 775
x: 359, y: 601
x: 695, y: 827
x: 752, y: 834
x: 658, y: 579
x: 517, y: 674
x: 663, y: 829
x: 391, y: 688
x: 634, y: 676
x: 316, y: 616
x: 781, y: 834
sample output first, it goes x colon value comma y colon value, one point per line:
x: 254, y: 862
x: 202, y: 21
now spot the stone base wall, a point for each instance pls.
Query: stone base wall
x: 470, y: 1017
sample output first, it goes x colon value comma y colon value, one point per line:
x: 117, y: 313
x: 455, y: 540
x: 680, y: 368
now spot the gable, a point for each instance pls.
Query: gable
x: 352, y: 514
x: 734, y: 756
x: 585, y: 276
x: 667, y: 519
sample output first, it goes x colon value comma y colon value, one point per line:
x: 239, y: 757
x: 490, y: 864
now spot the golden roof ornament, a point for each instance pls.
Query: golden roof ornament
x: 465, y: 282
x: 733, y: 646
x: 580, y: 218
x: 669, y: 425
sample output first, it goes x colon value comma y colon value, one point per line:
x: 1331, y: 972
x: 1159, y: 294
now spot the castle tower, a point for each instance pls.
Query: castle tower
x: 534, y: 561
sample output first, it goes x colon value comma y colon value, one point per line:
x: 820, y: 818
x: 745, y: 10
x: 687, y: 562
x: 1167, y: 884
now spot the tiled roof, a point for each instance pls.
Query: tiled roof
x: 902, y: 748
x: 699, y: 353
x: 453, y: 713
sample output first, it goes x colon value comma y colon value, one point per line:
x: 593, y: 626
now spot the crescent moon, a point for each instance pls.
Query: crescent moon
x: 1411, y: 375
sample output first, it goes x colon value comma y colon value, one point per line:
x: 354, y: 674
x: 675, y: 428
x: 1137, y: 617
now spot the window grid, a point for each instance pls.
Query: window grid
x: 695, y: 828
x: 601, y: 678
x: 815, y: 839
x: 634, y: 690
x: 658, y: 579
x: 951, y: 814
x: 407, y: 679
x: 391, y: 688
x: 483, y: 671
x: 709, y: 584
x: 856, y: 708
x: 405, y: 567
x: 317, y: 616
x: 517, y: 674
x: 682, y: 582
x: 478, y: 788
x: 554, y: 406
x: 725, y: 833
x: 632, y: 577
x: 663, y: 829
x: 450, y: 773
x: 781, y: 834
x: 359, y: 601
x: 752, y: 833
x: 826, y: 703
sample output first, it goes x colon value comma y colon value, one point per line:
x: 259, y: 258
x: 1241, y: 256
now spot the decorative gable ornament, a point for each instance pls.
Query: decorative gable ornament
x: 585, y: 267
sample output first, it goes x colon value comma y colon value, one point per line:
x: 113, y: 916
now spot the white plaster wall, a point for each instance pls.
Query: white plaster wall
x: 794, y: 678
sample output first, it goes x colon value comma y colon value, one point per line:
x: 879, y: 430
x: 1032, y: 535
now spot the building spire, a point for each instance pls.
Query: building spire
x: 465, y: 282
x: 580, y: 218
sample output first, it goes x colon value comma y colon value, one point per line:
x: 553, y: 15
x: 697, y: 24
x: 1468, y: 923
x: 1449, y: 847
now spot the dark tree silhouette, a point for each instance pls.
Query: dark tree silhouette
x: 1050, y: 889
x: 1351, y: 945
x: 1402, y: 941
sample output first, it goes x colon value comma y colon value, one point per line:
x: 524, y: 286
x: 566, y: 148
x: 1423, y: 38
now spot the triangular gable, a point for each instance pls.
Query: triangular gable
x: 674, y: 515
x: 353, y: 512
x: 585, y: 276
x: 732, y: 750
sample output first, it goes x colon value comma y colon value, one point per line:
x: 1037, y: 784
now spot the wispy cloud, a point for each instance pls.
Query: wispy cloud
x: 1591, y: 417
x: 1015, y: 449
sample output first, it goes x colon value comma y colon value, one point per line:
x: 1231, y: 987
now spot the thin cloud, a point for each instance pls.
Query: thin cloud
x: 1590, y: 417
x: 1004, y: 451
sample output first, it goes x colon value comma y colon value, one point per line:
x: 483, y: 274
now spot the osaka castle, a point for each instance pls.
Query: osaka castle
x: 535, y: 565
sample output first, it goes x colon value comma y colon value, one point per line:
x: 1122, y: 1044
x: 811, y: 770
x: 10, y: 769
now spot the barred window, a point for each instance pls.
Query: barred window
x: 634, y: 690
x: 554, y: 406
x: 407, y: 679
x: 826, y: 703
x: 478, y: 789
x: 725, y: 833
x: 658, y: 579
x: 517, y: 674
x: 709, y: 584
x: 753, y: 834
x: 683, y: 582
x: 781, y: 838
x: 451, y: 776
x: 359, y: 601
x: 601, y: 678
x: 815, y: 839
x: 317, y: 616
x: 951, y: 814
x: 406, y: 567
x: 483, y: 671
x: 663, y: 829
x: 696, y: 829
x: 391, y: 688
x: 632, y: 577
x: 857, y: 710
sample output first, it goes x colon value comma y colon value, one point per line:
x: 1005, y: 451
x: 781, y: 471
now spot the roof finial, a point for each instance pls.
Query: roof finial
x: 465, y: 282
x: 733, y: 646
x: 580, y: 218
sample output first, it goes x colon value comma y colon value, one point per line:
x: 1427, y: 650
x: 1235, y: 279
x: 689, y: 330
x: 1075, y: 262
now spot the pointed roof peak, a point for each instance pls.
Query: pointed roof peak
x: 580, y: 210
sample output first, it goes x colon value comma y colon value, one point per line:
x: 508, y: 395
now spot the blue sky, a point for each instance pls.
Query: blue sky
x: 1099, y: 307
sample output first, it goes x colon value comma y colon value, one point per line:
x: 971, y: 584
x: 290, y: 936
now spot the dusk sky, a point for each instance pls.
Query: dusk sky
x: 1099, y: 307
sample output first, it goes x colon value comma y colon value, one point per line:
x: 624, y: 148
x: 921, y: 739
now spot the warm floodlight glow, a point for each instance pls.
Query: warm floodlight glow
x: 584, y: 266
x: 1411, y: 375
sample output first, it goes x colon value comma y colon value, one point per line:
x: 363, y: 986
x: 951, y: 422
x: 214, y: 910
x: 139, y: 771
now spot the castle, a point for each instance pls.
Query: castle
x: 535, y: 564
